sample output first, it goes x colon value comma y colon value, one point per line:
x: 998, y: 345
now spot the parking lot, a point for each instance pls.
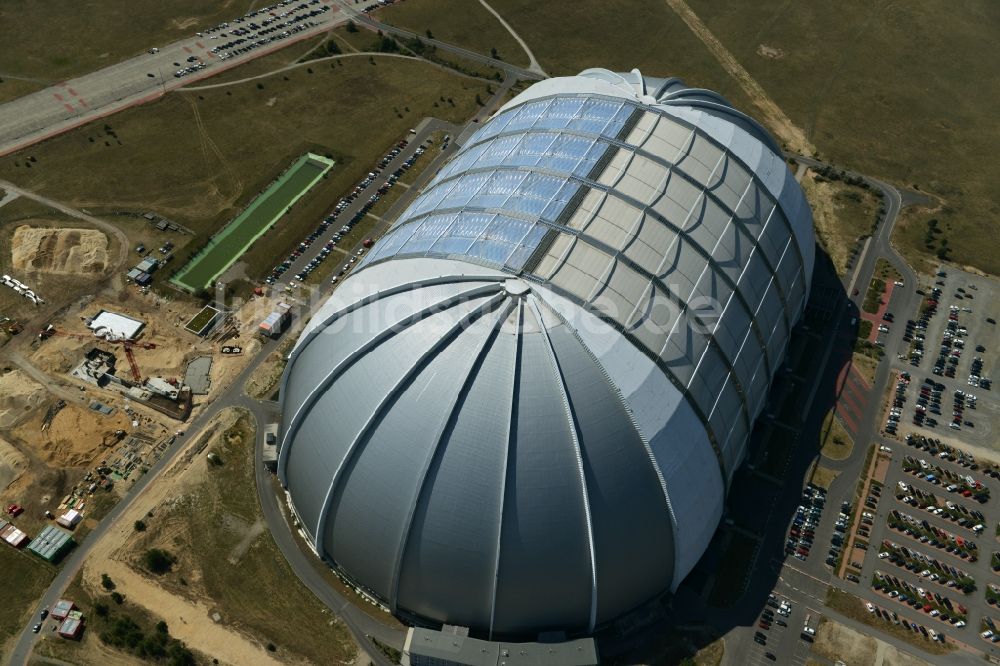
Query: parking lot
x: 348, y: 212
x: 953, y: 350
x: 930, y: 560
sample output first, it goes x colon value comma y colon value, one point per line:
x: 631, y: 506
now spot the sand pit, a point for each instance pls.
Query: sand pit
x: 19, y: 395
x: 12, y: 463
x: 54, y: 250
x: 77, y: 436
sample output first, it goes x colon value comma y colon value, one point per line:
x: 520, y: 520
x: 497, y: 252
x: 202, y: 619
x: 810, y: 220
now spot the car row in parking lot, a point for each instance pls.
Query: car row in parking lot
x: 894, y: 618
x: 807, y: 516
x: 970, y: 519
x: 953, y: 482
x: 840, y: 529
x: 934, y: 604
x: 925, y: 566
x: 892, y: 422
x: 923, y: 531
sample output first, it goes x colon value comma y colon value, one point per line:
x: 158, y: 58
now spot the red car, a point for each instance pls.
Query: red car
x: 15, y: 509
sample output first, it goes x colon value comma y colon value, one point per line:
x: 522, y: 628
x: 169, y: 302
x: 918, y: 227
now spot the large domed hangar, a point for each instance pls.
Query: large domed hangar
x: 522, y: 411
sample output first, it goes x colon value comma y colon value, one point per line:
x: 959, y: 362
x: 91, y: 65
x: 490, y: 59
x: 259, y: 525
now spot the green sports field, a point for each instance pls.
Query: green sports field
x: 230, y: 243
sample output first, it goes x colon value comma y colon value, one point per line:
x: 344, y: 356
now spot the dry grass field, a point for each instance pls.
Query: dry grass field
x: 464, y: 23
x: 895, y: 90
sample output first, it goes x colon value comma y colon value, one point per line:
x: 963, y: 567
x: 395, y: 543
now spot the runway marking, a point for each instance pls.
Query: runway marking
x: 72, y: 92
x: 69, y: 107
x: 58, y: 96
x: 200, y: 45
x: 187, y: 49
x: 83, y: 101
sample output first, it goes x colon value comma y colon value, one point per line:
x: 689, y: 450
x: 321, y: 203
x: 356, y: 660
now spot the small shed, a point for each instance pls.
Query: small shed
x: 70, y: 519
x: 71, y: 627
x: 13, y: 536
x: 61, y: 609
x: 148, y: 265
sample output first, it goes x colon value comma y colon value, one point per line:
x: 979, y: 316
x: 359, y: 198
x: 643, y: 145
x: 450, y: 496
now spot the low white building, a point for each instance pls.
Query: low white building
x: 114, y: 326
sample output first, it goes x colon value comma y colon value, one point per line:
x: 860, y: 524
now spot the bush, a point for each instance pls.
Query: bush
x: 107, y: 583
x: 118, y: 598
x: 158, y: 560
x: 140, y: 526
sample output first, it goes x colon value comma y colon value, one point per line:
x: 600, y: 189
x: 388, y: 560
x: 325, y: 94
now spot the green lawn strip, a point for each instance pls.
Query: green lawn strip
x: 227, y: 246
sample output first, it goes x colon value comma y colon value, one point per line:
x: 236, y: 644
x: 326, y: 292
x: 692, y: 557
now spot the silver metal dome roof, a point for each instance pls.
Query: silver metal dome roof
x: 523, y: 410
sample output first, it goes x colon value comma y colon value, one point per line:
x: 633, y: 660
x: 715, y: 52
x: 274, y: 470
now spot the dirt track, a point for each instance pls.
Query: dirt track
x: 54, y: 250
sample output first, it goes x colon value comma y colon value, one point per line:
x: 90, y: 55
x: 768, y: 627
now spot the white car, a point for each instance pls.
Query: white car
x: 870, y: 607
x: 960, y: 624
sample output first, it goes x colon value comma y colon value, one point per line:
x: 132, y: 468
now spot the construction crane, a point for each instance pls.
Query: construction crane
x: 136, y: 375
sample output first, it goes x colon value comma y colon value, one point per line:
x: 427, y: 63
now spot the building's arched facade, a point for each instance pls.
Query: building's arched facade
x: 523, y: 409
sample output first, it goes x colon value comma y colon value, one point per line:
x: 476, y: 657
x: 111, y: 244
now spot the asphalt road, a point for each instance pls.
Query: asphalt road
x: 72, y: 103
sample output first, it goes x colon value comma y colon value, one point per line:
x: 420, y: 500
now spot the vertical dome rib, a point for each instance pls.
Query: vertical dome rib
x: 511, y: 430
x: 574, y: 433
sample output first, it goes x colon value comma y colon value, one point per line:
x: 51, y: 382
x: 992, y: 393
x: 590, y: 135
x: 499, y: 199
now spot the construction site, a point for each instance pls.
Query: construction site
x: 94, y: 391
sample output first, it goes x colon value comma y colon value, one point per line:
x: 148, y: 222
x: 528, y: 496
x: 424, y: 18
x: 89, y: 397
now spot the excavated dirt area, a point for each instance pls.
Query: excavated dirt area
x: 77, y: 436
x: 12, y: 464
x: 55, y: 250
x: 19, y: 395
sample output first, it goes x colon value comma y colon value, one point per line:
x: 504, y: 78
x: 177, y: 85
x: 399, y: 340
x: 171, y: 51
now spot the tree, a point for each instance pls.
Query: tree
x: 351, y: 26
x: 140, y: 526
x: 107, y: 583
x: 118, y: 598
x: 493, y: 53
x: 158, y: 560
x: 101, y: 609
x: 429, y: 34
